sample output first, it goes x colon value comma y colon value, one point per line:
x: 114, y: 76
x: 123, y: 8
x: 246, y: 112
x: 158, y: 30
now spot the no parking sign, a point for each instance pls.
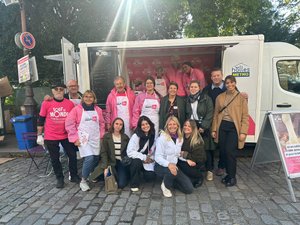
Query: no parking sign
x: 27, y: 40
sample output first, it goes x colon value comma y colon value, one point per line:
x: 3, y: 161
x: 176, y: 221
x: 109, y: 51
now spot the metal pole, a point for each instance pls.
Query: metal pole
x: 29, y: 103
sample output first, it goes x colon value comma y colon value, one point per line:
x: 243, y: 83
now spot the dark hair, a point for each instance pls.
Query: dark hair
x: 150, y: 78
x: 231, y: 78
x: 111, y: 129
x: 195, y: 82
x: 173, y: 83
x: 216, y: 69
x: 139, y: 125
x: 188, y: 63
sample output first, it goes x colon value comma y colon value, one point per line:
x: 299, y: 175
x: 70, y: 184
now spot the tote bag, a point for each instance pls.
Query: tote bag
x: 111, y: 185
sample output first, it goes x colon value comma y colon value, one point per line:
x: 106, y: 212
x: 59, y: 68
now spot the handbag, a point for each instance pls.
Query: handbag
x: 126, y: 161
x: 111, y: 185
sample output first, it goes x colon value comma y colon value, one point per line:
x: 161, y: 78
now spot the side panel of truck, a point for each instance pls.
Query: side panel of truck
x: 244, y: 61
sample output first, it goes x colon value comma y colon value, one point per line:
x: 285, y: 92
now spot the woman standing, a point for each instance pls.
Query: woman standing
x: 141, y: 149
x: 193, y: 156
x: 113, y: 150
x: 230, y: 126
x: 85, y: 127
x: 200, y: 109
x: 171, y: 105
x: 147, y: 104
x: 168, y: 148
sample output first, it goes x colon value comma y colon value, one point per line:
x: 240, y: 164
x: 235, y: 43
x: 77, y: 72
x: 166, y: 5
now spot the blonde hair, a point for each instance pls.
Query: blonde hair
x: 89, y: 92
x: 196, y: 137
x: 166, y: 131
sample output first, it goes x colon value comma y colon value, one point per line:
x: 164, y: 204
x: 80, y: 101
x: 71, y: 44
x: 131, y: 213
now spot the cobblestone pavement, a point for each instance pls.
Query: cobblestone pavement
x: 261, y: 197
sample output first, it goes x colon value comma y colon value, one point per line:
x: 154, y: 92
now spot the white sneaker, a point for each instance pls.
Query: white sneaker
x: 84, y: 186
x: 134, y: 189
x: 167, y: 193
x: 209, y: 176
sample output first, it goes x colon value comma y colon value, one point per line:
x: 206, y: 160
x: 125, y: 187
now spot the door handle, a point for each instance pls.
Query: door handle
x: 284, y: 105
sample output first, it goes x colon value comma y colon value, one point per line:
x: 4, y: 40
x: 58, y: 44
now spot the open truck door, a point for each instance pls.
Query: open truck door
x: 286, y: 84
x: 69, y: 60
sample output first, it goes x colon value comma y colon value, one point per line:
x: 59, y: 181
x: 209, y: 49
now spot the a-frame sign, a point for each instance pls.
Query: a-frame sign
x: 279, y: 140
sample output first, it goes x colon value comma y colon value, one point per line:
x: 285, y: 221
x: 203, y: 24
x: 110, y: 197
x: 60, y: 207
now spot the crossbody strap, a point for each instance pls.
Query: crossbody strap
x: 229, y: 103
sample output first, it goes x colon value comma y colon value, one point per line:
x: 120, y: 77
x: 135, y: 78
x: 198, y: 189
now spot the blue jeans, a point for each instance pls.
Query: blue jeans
x: 122, y: 174
x: 89, y: 164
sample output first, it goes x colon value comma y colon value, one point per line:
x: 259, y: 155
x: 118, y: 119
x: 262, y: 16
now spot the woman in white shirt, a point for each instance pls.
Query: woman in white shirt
x: 168, y: 148
x: 141, y: 149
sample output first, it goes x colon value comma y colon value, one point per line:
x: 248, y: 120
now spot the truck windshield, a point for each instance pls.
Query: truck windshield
x: 289, y: 75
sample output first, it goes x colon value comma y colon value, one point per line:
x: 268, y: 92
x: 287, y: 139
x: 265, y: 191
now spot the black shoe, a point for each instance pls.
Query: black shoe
x: 75, y: 179
x: 225, y: 179
x: 198, y: 183
x: 231, y: 182
x: 60, y: 183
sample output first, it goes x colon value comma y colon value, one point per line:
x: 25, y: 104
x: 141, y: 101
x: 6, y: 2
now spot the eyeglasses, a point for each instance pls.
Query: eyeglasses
x: 59, y: 89
x: 72, y: 86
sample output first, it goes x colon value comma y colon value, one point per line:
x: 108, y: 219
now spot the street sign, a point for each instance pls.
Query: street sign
x: 23, y: 69
x: 17, y: 40
x: 27, y: 40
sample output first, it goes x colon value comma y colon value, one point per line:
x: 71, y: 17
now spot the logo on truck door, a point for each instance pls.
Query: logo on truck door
x: 241, y: 70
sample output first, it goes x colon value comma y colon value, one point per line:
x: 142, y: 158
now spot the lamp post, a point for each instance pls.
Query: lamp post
x: 29, y: 103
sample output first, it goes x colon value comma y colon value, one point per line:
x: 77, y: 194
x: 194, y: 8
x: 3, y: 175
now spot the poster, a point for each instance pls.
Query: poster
x: 287, y: 127
x: 23, y: 69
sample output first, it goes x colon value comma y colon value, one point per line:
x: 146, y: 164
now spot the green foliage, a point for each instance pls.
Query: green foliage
x: 239, y: 17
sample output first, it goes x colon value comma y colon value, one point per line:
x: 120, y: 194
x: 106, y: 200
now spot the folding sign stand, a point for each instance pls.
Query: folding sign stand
x: 280, y: 130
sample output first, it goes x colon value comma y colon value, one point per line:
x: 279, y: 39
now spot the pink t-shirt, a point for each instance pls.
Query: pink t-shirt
x: 56, y: 114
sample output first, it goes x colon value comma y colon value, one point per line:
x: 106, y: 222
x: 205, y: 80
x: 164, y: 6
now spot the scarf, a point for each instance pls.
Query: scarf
x: 144, y: 138
x: 195, y: 97
x: 88, y: 108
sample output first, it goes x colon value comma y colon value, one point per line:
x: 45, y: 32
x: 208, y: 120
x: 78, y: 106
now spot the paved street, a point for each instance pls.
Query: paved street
x: 261, y: 197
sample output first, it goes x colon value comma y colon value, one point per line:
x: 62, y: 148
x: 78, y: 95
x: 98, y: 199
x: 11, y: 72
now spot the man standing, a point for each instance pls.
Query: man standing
x: 190, y: 74
x: 213, y: 90
x: 51, y: 119
x: 73, y: 92
x: 120, y: 103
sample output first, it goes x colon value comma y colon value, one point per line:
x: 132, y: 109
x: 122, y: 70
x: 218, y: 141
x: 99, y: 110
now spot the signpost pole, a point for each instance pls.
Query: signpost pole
x: 29, y: 103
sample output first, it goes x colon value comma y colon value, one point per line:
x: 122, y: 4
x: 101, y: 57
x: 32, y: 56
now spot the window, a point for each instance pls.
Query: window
x: 289, y: 75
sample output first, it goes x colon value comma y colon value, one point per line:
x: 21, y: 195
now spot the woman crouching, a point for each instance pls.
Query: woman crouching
x: 168, y: 148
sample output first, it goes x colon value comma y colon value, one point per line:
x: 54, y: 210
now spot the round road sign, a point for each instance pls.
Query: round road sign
x: 27, y: 40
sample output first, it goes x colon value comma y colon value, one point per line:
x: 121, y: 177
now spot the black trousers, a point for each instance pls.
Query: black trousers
x: 137, y: 171
x: 53, y: 148
x: 228, y: 142
x: 209, y: 160
x: 193, y: 172
x: 180, y: 181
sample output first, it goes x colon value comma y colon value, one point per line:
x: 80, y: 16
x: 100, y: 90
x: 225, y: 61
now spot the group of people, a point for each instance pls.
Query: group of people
x: 172, y: 137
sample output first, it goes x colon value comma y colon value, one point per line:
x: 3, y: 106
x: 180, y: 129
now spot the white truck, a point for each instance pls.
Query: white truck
x: 268, y: 72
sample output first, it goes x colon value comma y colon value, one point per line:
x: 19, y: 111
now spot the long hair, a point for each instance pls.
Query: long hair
x: 166, y: 131
x: 139, y: 125
x: 112, y: 129
x: 196, y: 137
x: 232, y: 79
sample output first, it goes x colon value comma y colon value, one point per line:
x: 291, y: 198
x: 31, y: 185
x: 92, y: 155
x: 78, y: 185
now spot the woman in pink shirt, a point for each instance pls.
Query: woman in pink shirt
x: 147, y: 104
x: 85, y: 127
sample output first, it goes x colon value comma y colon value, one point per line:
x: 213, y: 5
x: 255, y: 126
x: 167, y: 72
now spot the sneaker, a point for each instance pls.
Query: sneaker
x: 75, y: 179
x: 167, y: 193
x: 84, y: 186
x: 209, y: 176
x: 60, y: 183
x: 220, y: 172
x: 134, y: 189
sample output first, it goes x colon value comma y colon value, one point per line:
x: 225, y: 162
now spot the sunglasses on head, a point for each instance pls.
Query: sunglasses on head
x: 59, y: 89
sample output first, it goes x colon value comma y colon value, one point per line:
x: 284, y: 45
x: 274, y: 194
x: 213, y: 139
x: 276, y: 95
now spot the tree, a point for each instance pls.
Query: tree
x: 85, y: 21
x: 238, y: 17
